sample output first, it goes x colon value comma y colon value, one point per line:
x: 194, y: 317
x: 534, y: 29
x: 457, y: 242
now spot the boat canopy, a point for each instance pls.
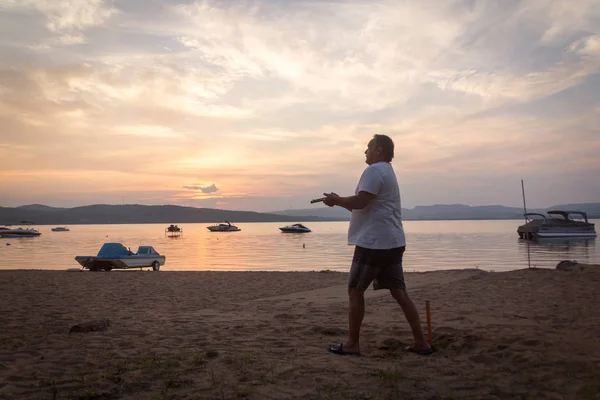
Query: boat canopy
x: 565, y: 214
x: 531, y: 214
x: 113, y: 250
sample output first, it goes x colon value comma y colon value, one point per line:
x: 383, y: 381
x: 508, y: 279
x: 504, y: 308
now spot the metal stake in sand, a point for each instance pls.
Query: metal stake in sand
x: 428, y: 311
x: 524, y: 214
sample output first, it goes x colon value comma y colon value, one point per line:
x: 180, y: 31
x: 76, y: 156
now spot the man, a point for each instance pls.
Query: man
x: 376, y: 231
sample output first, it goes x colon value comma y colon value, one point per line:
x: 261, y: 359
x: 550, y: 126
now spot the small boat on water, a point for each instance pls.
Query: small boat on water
x: 116, y: 256
x: 173, y: 230
x: 8, y: 232
x: 60, y: 229
x: 226, y: 227
x: 557, y: 224
x: 295, y: 228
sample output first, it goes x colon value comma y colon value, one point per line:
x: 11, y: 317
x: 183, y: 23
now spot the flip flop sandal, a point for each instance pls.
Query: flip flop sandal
x: 422, y: 352
x: 339, y: 349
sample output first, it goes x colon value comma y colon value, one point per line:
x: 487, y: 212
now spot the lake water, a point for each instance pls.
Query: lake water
x: 431, y: 245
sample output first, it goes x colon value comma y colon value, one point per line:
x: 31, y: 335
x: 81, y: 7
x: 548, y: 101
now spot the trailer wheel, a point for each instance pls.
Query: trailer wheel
x: 155, y: 266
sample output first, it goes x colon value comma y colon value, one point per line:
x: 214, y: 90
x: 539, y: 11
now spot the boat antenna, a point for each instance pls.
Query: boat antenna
x: 524, y: 204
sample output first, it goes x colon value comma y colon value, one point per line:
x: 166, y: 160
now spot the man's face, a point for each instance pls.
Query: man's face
x: 371, y: 153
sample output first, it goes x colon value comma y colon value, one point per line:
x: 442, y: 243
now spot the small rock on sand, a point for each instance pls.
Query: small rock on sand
x: 91, y: 326
x: 567, y: 265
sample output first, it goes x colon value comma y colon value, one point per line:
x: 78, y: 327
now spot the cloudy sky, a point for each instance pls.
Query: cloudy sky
x: 262, y: 105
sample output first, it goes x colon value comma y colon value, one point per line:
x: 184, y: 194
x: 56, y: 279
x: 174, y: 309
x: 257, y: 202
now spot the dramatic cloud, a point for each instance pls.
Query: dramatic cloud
x: 276, y: 100
x: 208, y: 189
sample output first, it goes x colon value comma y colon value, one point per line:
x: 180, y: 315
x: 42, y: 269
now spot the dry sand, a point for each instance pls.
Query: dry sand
x: 527, y: 334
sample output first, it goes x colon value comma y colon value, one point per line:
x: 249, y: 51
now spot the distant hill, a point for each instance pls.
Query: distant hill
x: 133, y: 214
x: 592, y: 209
x: 450, y: 211
x: 169, y: 214
x: 39, y: 207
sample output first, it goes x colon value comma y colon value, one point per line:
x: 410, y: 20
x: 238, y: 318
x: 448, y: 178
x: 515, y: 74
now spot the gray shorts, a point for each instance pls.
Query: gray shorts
x: 382, y: 267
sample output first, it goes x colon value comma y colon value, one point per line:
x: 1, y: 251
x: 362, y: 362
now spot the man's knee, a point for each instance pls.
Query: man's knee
x: 356, y: 292
x: 400, y: 295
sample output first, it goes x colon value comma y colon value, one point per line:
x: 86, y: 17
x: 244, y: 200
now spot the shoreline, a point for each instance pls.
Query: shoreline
x: 527, y: 333
x: 300, y: 219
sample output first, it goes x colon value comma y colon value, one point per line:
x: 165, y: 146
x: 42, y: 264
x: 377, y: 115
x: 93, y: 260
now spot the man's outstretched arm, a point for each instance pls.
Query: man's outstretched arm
x: 356, y: 202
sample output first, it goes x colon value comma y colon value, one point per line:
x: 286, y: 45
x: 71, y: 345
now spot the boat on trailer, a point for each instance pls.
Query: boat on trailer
x: 116, y: 256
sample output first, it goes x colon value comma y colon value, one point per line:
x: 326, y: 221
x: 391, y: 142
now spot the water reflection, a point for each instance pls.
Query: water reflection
x: 566, y: 243
x: 545, y: 251
x: 431, y: 245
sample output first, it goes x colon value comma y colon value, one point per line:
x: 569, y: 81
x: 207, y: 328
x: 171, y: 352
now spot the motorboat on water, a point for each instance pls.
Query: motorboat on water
x: 556, y: 224
x: 116, y: 256
x: 60, y: 229
x: 226, y: 227
x: 295, y: 228
x: 8, y: 232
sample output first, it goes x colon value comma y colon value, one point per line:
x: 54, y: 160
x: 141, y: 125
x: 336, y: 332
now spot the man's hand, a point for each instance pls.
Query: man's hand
x: 332, y: 199
x: 356, y: 202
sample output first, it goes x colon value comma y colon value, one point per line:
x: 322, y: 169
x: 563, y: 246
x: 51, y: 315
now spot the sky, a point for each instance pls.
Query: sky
x: 263, y: 105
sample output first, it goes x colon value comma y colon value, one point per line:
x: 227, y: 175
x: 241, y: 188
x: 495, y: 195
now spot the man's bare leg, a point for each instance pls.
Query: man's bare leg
x: 412, y: 316
x: 356, y: 313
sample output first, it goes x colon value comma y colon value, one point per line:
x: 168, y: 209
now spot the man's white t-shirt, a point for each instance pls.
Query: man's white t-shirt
x: 379, y: 224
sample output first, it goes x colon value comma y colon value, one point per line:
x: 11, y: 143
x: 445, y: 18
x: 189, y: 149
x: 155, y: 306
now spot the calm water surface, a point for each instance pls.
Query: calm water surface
x: 431, y: 245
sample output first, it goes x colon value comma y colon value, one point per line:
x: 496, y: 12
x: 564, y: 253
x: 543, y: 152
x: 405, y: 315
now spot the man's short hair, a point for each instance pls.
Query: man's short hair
x: 387, y: 146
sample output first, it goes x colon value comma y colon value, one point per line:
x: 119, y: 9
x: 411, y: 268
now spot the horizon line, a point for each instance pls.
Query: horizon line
x: 288, y: 209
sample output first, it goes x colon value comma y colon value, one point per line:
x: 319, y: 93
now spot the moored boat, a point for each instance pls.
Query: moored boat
x: 556, y: 224
x: 295, y: 228
x: 173, y: 230
x: 8, y: 232
x: 226, y: 227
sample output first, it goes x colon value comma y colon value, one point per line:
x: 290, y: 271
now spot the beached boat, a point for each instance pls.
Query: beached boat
x: 116, y: 256
x: 556, y: 224
x: 295, y: 228
x: 226, y: 227
x: 60, y: 229
x: 8, y: 232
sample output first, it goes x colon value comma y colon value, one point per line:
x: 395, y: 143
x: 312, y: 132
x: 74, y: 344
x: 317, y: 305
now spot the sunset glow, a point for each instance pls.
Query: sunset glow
x: 263, y: 105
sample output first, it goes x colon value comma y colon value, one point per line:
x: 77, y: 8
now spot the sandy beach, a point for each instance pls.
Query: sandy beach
x: 526, y: 334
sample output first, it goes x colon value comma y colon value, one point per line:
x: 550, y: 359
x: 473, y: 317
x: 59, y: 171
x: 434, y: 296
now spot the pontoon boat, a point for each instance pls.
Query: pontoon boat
x: 556, y: 224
